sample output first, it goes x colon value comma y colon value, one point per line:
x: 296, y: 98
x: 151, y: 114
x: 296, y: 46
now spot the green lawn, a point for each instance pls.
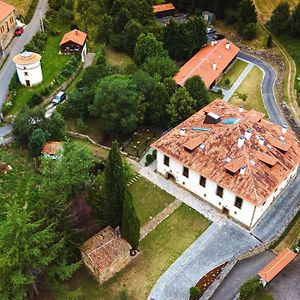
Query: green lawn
x: 251, y: 86
x: 233, y: 73
x: 117, y: 58
x: 52, y: 65
x: 148, y: 199
x: 159, y: 250
x: 21, y: 5
x: 262, y: 295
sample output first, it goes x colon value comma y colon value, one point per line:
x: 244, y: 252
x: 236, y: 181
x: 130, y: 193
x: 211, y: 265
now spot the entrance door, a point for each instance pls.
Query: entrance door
x: 27, y: 82
x: 225, y: 211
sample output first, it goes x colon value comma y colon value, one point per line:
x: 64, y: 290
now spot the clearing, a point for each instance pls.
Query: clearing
x: 251, y: 86
x: 159, y: 250
x: 117, y: 58
x: 148, y: 199
x: 232, y: 73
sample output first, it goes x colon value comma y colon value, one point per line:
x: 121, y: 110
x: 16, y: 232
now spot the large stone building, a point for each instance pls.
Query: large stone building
x: 7, y: 24
x: 232, y: 158
x: 105, y: 254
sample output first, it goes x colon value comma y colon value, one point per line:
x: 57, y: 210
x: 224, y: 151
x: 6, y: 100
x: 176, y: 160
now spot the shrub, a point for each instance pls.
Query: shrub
x: 269, y: 41
x: 250, y: 288
x: 195, y: 292
x: 35, y: 99
x: 80, y: 125
x: 249, y: 32
x: 149, y: 159
x: 219, y: 92
x: 227, y: 81
x: 154, y: 154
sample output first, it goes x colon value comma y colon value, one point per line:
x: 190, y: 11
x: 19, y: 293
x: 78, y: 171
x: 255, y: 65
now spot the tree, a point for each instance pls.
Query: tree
x: 117, y: 104
x: 246, y: 14
x: 156, y: 113
x: 170, y: 85
x: 279, y: 20
x: 29, y: 254
x: 36, y: 142
x: 196, y: 88
x: 295, y: 21
x: 249, y: 32
x: 250, y: 288
x: 160, y: 66
x: 132, y: 31
x: 269, y: 41
x: 195, y: 293
x: 105, y: 27
x: 147, y: 45
x: 130, y: 222
x: 181, y: 106
x: 115, y: 185
x: 56, y: 127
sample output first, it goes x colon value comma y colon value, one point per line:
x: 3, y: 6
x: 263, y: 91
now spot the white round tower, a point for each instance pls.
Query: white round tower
x: 29, y: 69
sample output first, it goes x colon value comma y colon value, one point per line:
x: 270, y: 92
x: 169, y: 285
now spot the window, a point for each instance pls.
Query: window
x: 238, y: 202
x: 219, y: 191
x: 185, y: 172
x: 166, y: 160
x: 202, y: 181
x: 26, y: 73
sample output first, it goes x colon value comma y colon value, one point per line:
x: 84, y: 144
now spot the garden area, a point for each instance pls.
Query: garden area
x: 158, y: 251
x: 232, y: 74
x: 250, y: 86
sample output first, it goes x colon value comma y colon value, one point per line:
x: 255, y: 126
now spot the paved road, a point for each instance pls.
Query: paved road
x: 285, y: 286
x: 16, y: 46
x: 267, y: 87
x: 241, y: 272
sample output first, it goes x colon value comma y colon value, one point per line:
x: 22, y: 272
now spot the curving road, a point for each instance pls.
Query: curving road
x: 267, y: 87
x: 15, y: 47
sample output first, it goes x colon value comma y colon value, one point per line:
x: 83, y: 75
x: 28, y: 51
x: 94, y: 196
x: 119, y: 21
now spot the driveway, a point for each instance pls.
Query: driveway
x: 17, y: 46
x: 267, y: 87
x: 285, y: 286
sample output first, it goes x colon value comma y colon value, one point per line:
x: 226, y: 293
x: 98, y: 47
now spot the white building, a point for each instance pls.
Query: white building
x: 232, y: 158
x: 29, y: 68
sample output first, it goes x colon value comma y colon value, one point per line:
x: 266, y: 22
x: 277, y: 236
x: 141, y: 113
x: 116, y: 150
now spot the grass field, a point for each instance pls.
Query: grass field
x: 52, y: 65
x: 233, y: 73
x: 148, y: 199
x: 117, y: 58
x: 251, y: 86
x: 158, y: 250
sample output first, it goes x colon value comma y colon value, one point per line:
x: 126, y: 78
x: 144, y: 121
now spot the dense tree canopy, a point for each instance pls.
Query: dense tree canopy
x: 279, y: 19
x: 196, y: 88
x: 295, y: 21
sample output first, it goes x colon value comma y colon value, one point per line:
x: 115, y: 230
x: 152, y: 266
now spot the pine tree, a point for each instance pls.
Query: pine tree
x: 246, y: 13
x: 279, y: 19
x: 269, y: 41
x: 130, y: 222
x: 115, y: 185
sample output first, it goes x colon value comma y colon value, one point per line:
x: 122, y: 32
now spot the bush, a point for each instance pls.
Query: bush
x: 149, y: 159
x: 250, y: 288
x: 154, y: 154
x: 227, y: 81
x: 80, y: 125
x: 35, y: 99
x: 249, y: 32
x: 195, y: 293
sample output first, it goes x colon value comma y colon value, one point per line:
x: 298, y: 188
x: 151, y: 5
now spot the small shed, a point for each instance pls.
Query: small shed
x: 74, y: 42
x: 105, y: 254
x: 52, y: 150
x: 164, y: 10
x: 208, y: 17
x: 276, y: 266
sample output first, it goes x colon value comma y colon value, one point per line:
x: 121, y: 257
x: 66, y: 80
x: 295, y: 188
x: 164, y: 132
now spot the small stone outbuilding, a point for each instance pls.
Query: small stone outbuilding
x: 105, y: 254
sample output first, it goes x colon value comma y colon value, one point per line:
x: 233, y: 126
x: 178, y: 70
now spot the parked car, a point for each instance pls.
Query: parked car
x: 210, y: 30
x: 218, y: 37
x: 19, y: 31
x: 60, y: 97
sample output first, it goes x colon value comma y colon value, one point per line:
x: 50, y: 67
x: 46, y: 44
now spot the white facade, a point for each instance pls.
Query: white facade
x: 248, y: 214
x: 29, y: 68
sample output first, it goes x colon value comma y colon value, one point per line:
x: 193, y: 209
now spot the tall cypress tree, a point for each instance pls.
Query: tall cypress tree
x: 115, y: 185
x: 130, y: 222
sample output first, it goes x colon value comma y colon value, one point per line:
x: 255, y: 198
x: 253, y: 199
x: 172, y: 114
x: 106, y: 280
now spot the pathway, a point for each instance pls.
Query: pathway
x: 88, y: 60
x: 160, y: 217
x: 229, y: 93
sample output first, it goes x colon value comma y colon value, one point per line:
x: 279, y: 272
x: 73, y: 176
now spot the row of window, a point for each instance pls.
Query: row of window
x: 219, y: 191
x: 2, y: 28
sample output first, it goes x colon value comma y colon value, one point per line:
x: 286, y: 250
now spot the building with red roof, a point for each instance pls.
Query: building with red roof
x: 164, y: 10
x: 276, y: 265
x: 8, y: 24
x: 209, y: 63
x: 233, y: 158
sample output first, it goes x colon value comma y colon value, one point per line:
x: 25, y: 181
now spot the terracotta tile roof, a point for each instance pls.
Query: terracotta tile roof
x: 163, y: 7
x: 5, y: 10
x: 266, y: 165
x: 202, y: 63
x: 51, y: 148
x: 277, y: 265
x: 76, y: 36
x: 104, y: 248
x: 26, y: 58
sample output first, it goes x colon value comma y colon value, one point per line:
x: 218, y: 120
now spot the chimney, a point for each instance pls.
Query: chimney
x: 182, y: 131
x: 227, y: 46
x: 241, y: 109
x: 243, y: 170
x: 248, y: 134
x: 284, y: 129
x: 282, y: 138
x: 212, y: 43
x: 241, y: 141
x: 261, y: 141
x: 216, y: 42
x: 214, y: 66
